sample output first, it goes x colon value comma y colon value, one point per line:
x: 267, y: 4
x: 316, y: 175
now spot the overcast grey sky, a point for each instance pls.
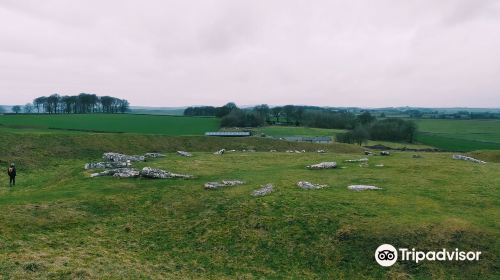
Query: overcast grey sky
x: 437, y: 53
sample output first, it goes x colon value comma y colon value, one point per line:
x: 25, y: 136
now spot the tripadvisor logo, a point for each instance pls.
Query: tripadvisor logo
x: 386, y: 255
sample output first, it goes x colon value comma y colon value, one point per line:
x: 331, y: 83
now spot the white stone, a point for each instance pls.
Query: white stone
x: 224, y: 183
x: 184, y: 154
x: 154, y: 173
x: 323, y: 165
x: 466, y: 158
x: 153, y: 155
x: 264, y: 190
x: 106, y: 165
x: 118, y: 172
x: 310, y: 186
x: 116, y: 157
x: 362, y: 188
x: 220, y: 152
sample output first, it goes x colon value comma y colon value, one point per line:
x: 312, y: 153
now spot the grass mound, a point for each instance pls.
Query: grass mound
x: 59, y: 223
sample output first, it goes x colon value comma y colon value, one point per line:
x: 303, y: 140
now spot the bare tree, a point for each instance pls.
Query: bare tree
x: 124, y: 106
x: 16, y: 109
x: 28, y: 108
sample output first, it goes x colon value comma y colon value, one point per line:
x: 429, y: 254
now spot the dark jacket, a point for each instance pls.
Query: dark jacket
x: 11, y: 171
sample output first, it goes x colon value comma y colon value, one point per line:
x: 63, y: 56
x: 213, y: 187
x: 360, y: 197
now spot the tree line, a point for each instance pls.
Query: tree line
x: 389, y: 129
x: 210, y: 110
x: 361, y: 127
x: 83, y: 103
x: 259, y: 115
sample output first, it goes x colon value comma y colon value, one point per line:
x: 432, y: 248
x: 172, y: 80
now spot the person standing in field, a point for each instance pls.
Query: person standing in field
x: 12, y: 174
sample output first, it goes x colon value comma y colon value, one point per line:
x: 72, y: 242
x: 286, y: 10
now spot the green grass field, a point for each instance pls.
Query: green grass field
x: 125, y: 123
x: 460, y: 135
x: 59, y: 223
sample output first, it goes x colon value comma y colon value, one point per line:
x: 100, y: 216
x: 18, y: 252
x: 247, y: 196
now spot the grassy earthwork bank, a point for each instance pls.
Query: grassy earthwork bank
x: 36, y: 149
x: 60, y: 223
x: 284, y: 131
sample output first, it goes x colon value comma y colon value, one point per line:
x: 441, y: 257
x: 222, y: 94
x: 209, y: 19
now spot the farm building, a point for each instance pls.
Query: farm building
x: 318, y: 139
x: 229, y: 133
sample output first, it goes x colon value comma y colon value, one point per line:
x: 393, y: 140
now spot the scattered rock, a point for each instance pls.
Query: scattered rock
x: 385, y: 153
x: 356, y: 160
x: 129, y: 173
x: 462, y: 157
x: 264, y: 190
x: 184, y: 154
x: 379, y: 165
x: 224, y: 183
x: 107, y: 165
x: 416, y: 156
x: 232, y: 182
x: 146, y: 172
x: 213, y: 185
x: 321, y: 151
x: 297, y: 152
x: 116, y: 157
x: 362, y: 188
x: 323, y: 165
x: 220, y: 152
x: 368, y: 153
x: 272, y: 151
x: 289, y: 151
x: 364, y: 164
x: 310, y: 186
x: 153, y: 155
x: 118, y: 172
x: 153, y: 173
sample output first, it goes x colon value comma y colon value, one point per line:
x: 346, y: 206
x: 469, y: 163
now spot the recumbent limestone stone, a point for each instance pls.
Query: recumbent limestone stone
x: 116, y: 157
x: 223, y: 183
x: 154, y: 173
x: 362, y: 188
x: 310, y: 186
x: 264, y: 190
x: 107, y: 165
x: 184, y: 154
x: 323, y: 165
x: 466, y: 158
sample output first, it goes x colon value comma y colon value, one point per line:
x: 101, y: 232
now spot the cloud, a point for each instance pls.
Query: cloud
x: 171, y: 53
